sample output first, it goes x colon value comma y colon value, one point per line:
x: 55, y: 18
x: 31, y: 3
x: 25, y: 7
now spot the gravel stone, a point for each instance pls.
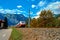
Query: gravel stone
x: 41, y: 33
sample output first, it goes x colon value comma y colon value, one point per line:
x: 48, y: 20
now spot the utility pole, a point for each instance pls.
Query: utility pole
x: 29, y: 19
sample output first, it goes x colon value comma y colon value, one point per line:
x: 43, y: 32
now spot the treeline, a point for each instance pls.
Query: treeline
x: 46, y: 19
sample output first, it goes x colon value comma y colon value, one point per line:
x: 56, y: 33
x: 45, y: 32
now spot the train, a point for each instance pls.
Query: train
x: 21, y: 24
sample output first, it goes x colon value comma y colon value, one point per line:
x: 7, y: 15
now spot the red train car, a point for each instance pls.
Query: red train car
x: 21, y: 24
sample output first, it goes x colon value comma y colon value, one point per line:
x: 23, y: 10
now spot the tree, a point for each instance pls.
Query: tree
x: 46, y: 18
x: 57, y: 22
x: 34, y: 23
x: 5, y: 23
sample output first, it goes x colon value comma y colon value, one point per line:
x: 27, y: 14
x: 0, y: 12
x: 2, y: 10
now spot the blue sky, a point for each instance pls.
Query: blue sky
x: 23, y: 6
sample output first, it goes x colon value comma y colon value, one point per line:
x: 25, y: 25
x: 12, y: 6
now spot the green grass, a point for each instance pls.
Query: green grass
x: 16, y: 35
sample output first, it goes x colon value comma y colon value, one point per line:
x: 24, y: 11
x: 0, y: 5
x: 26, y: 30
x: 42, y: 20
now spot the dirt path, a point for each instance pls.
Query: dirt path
x: 40, y: 33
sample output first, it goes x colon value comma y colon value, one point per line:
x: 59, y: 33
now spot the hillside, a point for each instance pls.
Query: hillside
x: 13, y: 19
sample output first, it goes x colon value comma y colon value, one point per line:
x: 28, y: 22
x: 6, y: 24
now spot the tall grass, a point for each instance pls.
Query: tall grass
x: 16, y: 35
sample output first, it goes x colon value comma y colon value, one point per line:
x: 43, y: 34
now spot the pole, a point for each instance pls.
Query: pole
x: 29, y: 20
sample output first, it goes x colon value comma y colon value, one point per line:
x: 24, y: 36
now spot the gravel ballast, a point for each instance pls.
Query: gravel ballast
x: 40, y: 33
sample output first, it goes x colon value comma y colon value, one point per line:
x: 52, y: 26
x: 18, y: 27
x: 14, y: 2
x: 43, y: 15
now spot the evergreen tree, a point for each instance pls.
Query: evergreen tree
x: 5, y: 23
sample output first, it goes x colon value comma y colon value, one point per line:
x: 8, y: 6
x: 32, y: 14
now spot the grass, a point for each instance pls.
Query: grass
x: 16, y: 35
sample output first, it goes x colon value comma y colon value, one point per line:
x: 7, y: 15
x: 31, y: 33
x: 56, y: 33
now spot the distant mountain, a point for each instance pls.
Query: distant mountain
x: 13, y: 19
x: 57, y: 15
x: 1, y: 16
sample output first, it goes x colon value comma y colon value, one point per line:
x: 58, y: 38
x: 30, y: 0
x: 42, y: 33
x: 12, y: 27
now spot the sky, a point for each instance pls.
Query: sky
x: 23, y: 7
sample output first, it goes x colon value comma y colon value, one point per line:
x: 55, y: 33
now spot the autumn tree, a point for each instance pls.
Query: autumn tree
x: 57, y: 21
x: 34, y: 23
x: 46, y: 18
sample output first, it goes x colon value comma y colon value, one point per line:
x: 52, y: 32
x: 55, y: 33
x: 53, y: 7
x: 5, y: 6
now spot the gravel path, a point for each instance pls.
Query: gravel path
x: 40, y: 33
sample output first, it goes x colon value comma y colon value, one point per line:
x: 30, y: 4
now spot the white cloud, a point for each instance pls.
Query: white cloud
x: 13, y: 11
x: 36, y: 17
x: 19, y: 6
x: 54, y: 6
x: 41, y: 3
x: 38, y: 13
x: 18, y: 13
x: 33, y: 6
x: 2, y: 11
x: 9, y: 11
